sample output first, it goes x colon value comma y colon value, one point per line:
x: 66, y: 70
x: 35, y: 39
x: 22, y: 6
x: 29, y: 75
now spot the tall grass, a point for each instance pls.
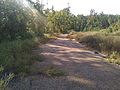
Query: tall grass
x: 16, y: 55
x: 101, y: 41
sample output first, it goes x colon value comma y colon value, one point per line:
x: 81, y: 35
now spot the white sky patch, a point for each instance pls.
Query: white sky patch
x: 84, y: 6
x: 25, y: 3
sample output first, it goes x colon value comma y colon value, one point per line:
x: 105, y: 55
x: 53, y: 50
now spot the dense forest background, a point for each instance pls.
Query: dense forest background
x: 26, y: 20
x: 64, y: 21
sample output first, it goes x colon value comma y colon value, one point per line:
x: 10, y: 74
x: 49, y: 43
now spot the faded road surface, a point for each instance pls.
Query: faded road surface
x: 85, y: 70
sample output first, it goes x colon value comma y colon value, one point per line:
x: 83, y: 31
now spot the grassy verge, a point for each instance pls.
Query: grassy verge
x: 114, y: 57
x: 16, y: 56
x: 102, y: 41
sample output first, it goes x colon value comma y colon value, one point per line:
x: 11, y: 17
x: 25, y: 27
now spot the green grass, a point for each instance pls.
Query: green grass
x: 16, y: 55
x: 52, y: 71
x: 114, y: 57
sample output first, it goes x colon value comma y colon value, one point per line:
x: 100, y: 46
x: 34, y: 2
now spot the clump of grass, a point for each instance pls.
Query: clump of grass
x: 117, y: 62
x: 113, y: 61
x: 114, y: 58
x: 52, y: 35
x: 52, y: 72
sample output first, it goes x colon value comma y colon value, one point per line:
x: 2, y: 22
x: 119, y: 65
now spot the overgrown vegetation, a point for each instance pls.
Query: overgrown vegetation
x: 64, y: 21
x: 19, y: 21
x: 114, y: 57
x: 16, y: 55
x: 24, y: 23
x: 102, y: 41
x: 21, y: 28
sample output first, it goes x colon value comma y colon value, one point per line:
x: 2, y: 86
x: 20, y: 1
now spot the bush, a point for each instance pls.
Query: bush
x: 18, y: 22
x: 16, y: 55
x: 18, y: 26
x: 101, y: 42
x: 92, y: 41
x: 111, y: 43
x: 114, y: 58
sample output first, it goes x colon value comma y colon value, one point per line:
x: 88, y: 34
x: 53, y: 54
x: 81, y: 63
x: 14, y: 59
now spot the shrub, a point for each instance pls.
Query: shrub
x: 111, y: 43
x: 18, y: 22
x: 16, y: 54
x: 18, y: 26
x: 103, y: 42
x: 114, y: 58
x: 92, y: 41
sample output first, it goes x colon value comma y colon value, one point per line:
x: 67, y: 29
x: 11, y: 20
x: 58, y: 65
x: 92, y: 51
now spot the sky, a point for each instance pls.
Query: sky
x: 84, y: 6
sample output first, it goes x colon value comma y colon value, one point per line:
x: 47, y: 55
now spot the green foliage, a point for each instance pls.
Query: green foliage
x: 63, y: 21
x: 18, y: 21
x: 113, y: 55
x: 102, y: 42
x: 24, y: 20
x: 16, y: 55
x: 52, y: 72
x: 20, y: 27
x: 114, y: 58
x: 5, y: 79
x: 60, y: 21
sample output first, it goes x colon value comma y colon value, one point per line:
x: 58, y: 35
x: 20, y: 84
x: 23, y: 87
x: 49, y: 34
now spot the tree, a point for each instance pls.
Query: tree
x: 60, y: 21
x: 38, y: 6
x: 18, y: 21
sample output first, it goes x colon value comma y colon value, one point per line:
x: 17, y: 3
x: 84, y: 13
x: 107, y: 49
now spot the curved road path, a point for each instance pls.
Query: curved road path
x: 84, y: 69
